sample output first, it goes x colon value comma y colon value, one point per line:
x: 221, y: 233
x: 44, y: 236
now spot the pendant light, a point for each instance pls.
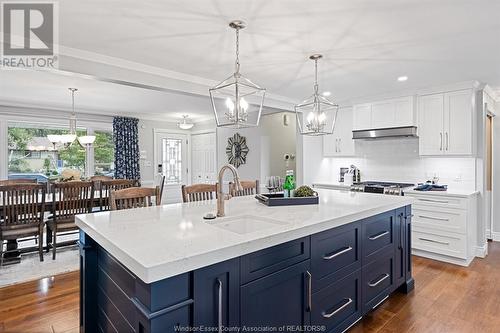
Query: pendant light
x: 184, y: 124
x: 316, y: 115
x: 237, y: 101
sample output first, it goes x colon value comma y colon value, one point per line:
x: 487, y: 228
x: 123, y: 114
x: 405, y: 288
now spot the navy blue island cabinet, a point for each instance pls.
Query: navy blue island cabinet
x: 325, y: 281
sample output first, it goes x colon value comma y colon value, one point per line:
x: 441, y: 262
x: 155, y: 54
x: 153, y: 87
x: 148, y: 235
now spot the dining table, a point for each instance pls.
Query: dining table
x: 13, y: 253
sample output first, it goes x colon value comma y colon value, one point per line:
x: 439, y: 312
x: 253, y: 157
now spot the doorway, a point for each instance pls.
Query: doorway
x: 203, y: 158
x: 171, y: 161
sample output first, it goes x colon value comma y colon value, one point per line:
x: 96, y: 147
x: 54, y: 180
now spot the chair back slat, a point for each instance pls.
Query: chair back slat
x: 198, y: 192
x: 72, y: 198
x: 134, y: 197
x: 23, y: 204
x: 107, y: 186
x: 249, y: 187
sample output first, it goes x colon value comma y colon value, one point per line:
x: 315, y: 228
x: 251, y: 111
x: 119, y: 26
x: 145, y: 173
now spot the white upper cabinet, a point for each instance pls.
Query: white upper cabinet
x: 340, y: 143
x: 446, y: 123
x: 389, y: 113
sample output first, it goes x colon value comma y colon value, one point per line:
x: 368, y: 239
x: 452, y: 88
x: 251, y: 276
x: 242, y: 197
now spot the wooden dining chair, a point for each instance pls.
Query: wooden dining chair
x: 17, y: 181
x: 134, y: 197
x: 68, y: 200
x: 199, y: 192
x: 97, y: 181
x: 249, y: 187
x: 112, y: 185
x: 22, y: 214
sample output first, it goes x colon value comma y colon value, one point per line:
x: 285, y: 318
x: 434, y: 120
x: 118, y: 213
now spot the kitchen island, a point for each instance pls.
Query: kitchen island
x: 166, y: 269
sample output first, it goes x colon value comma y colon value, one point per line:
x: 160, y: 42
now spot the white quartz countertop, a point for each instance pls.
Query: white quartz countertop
x: 332, y: 185
x: 451, y: 192
x: 155, y: 243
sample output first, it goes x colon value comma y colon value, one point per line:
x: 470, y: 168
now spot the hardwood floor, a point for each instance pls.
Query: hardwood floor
x: 46, y: 305
x: 447, y: 298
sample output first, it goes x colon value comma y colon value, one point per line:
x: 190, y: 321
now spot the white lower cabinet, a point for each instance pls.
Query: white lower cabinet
x: 444, y: 227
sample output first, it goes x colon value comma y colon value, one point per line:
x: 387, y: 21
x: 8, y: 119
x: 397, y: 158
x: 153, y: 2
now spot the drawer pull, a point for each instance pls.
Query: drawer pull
x: 433, y: 218
x: 379, y: 281
x: 436, y: 201
x: 309, y: 291
x: 333, y: 313
x: 219, y: 309
x: 382, y: 234
x: 433, y: 241
x: 336, y: 254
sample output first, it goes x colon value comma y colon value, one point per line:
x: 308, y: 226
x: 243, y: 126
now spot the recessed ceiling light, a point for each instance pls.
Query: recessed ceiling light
x: 326, y: 93
x: 402, y: 78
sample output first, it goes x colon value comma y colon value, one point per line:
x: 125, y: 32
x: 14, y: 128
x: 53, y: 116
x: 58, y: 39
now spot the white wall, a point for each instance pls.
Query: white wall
x: 496, y: 176
x: 278, y: 139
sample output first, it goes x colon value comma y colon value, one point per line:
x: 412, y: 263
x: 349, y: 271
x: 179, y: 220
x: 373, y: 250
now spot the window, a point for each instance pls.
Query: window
x: 32, y: 155
x: 172, y: 160
x: 104, y: 153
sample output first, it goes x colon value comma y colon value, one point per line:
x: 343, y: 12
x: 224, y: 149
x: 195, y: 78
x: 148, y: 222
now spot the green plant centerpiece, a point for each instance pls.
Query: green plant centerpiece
x: 305, y: 191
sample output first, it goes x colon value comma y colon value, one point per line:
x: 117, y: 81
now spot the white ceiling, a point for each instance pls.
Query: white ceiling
x: 366, y: 45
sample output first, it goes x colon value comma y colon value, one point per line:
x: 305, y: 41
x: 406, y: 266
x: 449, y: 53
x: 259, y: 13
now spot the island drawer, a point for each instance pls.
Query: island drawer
x: 378, y: 280
x: 338, y: 305
x: 437, y: 241
x: 335, y: 253
x: 453, y: 220
x: 264, y: 262
x: 377, y: 233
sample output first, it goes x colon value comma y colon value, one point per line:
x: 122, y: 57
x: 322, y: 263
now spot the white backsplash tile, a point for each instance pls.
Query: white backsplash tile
x: 398, y: 160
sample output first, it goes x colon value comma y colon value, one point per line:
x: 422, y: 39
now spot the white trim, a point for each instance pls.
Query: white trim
x: 481, y: 251
x: 440, y: 257
x: 3, y: 150
x: 495, y: 236
x: 205, y: 131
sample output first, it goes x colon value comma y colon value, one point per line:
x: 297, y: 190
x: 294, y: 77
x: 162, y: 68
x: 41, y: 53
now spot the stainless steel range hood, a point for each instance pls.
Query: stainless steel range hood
x: 381, y: 133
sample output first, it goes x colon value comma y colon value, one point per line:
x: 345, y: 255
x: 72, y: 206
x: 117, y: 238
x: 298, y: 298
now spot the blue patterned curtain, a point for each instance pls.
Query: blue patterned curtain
x: 126, y: 137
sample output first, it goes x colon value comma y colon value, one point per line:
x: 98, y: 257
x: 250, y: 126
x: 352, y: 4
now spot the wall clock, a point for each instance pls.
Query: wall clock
x: 237, y: 150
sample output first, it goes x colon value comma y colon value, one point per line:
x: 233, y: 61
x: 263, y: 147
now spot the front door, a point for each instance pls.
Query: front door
x: 171, y: 160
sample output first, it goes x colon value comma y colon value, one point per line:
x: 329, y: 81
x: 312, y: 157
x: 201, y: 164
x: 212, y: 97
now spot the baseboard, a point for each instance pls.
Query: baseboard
x: 441, y: 257
x: 495, y: 236
x: 481, y: 251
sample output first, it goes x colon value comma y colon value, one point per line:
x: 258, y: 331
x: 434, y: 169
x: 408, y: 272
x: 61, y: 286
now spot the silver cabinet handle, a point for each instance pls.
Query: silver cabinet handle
x: 219, y: 314
x: 447, y: 141
x: 337, y: 145
x: 433, y: 241
x: 433, y: 218
x: 378, y: 236
x: 441, y: 141
x: 333, y: 313
x: 340, y: 145
x: 336, y: 254
x: 309, y: 291
x: 436, y: 201
x: 379, y: 281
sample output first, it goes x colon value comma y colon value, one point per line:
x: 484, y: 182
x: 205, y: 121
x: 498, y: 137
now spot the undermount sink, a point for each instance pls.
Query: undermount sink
x: 244, y: 224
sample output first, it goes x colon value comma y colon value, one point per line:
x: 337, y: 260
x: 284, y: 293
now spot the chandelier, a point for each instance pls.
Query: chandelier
x: 237, y: 101
x: 68, y: 139
x: 316, y: 115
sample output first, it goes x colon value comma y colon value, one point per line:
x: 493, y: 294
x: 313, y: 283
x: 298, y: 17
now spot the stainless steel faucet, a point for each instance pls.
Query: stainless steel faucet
x: 221, y: 197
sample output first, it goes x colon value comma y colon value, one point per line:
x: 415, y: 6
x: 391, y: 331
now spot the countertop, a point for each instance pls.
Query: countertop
x: 158, y: 242
x: 451, y: 192
x: 331, y: 185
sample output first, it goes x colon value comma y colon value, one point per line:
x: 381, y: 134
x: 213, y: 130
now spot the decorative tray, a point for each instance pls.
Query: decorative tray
x: 278, y: 199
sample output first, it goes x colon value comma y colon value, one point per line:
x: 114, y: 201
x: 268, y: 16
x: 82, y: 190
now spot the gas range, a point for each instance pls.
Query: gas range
x: 381, y: 187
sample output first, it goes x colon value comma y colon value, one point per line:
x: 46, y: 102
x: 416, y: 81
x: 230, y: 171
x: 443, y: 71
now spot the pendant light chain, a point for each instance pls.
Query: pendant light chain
x: 316, y: 76
x: 237, y: 64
